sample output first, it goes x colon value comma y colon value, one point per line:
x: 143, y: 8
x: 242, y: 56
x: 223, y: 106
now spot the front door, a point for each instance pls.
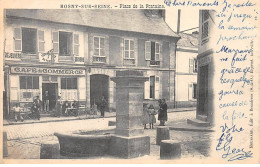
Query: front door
x: 203, y: 90
x: 52, y: 89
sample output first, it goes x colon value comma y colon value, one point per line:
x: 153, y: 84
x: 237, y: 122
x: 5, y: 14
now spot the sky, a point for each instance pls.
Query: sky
x: 189, y: 19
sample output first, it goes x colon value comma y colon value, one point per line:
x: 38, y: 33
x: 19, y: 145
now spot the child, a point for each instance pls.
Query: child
x: 152, y: 114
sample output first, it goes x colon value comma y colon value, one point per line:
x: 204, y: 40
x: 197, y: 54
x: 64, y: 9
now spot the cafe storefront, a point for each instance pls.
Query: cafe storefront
x: 24, y: 83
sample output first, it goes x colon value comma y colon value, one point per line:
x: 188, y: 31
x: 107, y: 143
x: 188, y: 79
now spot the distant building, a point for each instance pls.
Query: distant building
x: 73, y: 54
x: 186, y: 70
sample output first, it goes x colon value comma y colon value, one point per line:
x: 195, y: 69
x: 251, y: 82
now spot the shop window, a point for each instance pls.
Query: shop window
x: 65, y: 43
x: 29, y: 82
x: 69, y: 83
x: 129, y: 53
x: 152, y: 52
x: 99, y: 50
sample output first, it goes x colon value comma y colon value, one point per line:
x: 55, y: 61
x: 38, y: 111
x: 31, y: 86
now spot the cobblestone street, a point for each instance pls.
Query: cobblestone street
x: 24, y: 140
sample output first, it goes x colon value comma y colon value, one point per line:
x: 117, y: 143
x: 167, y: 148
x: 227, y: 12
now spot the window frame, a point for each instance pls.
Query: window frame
x: 66, y: 83
x: 36, y: 41
x: 26, y: 84
x: 195, y: 65
x: 156, y: 59
x: 99, y: 57
x: 71, y: 44
x: 204, y: 28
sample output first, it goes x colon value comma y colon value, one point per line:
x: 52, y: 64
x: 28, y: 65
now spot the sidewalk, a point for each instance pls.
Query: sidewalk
x: 72, y: 118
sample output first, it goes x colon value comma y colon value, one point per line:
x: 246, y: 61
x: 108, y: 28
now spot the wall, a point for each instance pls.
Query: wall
x: 47, y: 27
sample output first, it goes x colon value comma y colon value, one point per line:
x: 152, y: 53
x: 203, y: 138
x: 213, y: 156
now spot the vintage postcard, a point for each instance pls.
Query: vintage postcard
x: 106, y: 82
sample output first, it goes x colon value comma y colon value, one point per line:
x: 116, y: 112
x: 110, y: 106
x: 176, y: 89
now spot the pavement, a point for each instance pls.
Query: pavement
x: 24, y: 140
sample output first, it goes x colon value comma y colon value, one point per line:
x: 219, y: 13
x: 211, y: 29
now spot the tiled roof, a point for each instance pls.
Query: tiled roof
x: 188, y: 40
x: 126, y: 20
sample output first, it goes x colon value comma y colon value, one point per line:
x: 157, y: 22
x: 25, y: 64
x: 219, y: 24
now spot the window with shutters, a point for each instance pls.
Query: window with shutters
x: 99, y: 50
x: 205, y: 26
x: 65, y: 43
x: 129, y: 52
x: 152, y: 53
x: 29, y: 41
x: 29, y: 82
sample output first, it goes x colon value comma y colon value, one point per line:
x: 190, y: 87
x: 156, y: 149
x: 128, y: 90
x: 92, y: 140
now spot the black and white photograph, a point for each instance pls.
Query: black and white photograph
x: 137, y: 83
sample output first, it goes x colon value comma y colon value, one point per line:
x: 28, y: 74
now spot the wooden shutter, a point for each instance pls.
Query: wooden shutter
x: 157, y: 87
x: 76, y: 44
x: 41, y: 45
x: 157, y: 51
x: 17, y: 39
x: 55, y: 41
x: 191, y: 63
x: 147, y: 50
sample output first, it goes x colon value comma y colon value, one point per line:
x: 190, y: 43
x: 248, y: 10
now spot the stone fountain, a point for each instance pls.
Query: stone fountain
x: 129, y: 140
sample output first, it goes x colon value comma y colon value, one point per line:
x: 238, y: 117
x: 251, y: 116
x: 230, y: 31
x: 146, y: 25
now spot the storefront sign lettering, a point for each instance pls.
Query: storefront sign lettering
x: 50, y: 71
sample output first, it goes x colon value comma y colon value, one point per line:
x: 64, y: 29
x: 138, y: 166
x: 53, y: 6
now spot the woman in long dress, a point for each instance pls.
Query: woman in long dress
x: 146, y: 117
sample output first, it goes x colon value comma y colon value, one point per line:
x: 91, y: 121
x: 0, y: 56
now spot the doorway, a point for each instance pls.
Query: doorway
x: 98, y: 87
x: 203, y: 91
x: 52, y: 89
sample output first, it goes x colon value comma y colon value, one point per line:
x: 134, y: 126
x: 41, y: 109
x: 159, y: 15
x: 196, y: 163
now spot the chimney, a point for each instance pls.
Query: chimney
x: 179, y: 20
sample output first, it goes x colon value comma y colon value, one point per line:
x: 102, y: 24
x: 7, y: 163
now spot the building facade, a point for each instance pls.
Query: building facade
x: 73, y: 54
x: 205, y: 109
x: 186, y: 70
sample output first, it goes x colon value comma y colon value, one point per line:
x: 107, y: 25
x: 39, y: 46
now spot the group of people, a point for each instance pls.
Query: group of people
x: 149, y: 113
x: 65, y: 108
x: 35, y: 110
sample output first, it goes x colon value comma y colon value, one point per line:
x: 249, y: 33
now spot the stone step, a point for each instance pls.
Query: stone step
x: 202, y: 118
x: 197, y: 122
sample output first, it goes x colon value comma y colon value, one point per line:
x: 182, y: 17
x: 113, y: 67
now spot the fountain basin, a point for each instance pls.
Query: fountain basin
x: 77, y: 145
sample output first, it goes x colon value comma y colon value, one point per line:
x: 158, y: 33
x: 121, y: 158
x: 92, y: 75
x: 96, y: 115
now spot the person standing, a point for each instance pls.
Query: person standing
x: 103, y: 106
x: 58, y: 106
x: 46, y: 101
x: 152, y: 113
x: 37, y: 103
x: 145, y: 115
x: 162, y: 116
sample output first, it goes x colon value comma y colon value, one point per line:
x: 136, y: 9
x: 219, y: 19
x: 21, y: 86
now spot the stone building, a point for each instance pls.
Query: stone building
x: 74, y: 53
x: 205, y: 107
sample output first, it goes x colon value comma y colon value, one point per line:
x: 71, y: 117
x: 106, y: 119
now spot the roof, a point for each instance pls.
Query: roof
x: 188, y: 40
x: 116, y: 19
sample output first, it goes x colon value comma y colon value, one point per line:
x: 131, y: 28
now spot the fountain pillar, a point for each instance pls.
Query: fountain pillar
x: 129, y: 140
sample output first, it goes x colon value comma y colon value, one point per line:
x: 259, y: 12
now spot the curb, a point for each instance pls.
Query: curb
x: 191, y: 129
x: 76, y: 119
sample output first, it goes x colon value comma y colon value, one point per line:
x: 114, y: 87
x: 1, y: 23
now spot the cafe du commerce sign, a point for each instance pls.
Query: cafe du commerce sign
x: 46, y: 71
